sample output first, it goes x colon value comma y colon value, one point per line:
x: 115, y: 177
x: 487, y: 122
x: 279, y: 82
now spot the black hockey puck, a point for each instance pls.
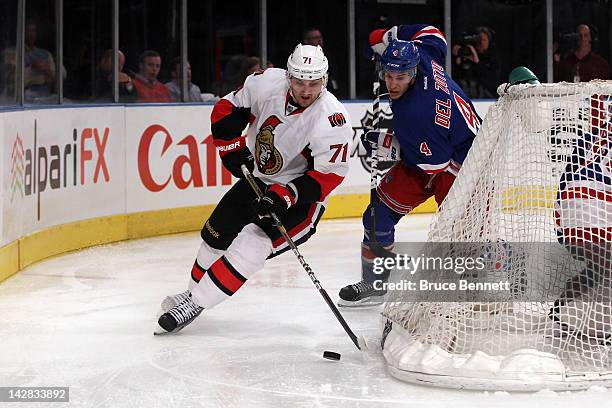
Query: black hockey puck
x: 331, y: 355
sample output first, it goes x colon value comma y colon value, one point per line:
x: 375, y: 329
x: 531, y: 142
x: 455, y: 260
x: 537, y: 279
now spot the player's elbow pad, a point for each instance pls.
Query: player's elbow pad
x: 229, y: 125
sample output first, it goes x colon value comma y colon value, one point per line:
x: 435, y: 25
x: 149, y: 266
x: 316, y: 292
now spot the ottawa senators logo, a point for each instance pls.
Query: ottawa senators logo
x: 336, y: 119
x: 268, y: 158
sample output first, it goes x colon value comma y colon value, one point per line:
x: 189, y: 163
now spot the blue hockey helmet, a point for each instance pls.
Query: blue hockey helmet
x: 400, y: 56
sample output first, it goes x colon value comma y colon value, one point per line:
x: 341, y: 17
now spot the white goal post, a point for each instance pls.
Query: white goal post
x: 538, y: 175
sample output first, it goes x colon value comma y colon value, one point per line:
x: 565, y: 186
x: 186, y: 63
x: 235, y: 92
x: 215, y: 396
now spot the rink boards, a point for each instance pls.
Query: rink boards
x: 74, y: 177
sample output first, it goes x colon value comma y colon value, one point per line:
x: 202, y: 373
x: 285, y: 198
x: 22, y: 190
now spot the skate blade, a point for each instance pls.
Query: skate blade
x: 161, y: 332
x: 363, y: 303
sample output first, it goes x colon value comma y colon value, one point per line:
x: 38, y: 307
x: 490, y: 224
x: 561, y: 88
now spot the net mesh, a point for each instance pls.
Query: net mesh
x: 538, y: 172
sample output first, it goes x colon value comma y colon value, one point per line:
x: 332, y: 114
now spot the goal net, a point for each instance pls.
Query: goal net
x: 535, y: 187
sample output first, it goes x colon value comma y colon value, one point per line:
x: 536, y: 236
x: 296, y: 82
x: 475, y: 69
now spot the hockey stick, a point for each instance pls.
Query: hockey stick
x: 359, y: 342
x: 375, y: 247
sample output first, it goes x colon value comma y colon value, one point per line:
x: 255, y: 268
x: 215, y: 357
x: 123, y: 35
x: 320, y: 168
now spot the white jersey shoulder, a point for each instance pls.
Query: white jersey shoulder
x: 262, y: 84
x: 286, y: 140
x: 332, y: 135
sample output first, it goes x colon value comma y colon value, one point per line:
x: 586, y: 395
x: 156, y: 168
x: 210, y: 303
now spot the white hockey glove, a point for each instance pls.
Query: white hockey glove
x: 379, y: 39
x: 388, y: 148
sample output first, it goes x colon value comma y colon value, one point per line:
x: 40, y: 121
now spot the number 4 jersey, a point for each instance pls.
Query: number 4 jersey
x: 434, y: 121
x: 306, y: 149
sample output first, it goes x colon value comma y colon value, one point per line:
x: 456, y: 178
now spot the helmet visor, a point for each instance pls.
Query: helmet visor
x: 409, y: 74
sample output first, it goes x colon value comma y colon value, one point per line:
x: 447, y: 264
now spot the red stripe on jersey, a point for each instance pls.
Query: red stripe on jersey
x: 222, y: 109
x: 557, y: 218
x: 197, y: 273
x: 228, y: 146
x: 586, y: 193
x: 251, y: 119
x: 428, y: 30
x: 587, y: 234
x: 227, y: 275
x: 437, y: 170
x: 298, y: 228
x: 327, y: 181
x: 455, y: 166
x: 598, y: 113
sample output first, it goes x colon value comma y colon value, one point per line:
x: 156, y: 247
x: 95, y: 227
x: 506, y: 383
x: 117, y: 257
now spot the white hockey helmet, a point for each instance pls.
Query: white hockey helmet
x: 307, y: 62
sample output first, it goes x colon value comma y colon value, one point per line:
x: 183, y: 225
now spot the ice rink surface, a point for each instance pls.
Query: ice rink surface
x: 85, y: 320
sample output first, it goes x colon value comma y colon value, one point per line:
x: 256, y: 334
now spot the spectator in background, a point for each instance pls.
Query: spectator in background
x: 583, y: 64
x: 476, y: 66
x: 249, y: 66
x: 230, y: 79
x: 313, y: 36
x: 174, y: 87
x: 236, y: 70
x: 148, y: 88
x: 104, y: 78
x: 40, y: 72
x: 8, y: 69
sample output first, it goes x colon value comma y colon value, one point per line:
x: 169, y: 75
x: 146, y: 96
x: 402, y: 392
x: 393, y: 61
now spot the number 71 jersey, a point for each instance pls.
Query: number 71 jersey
x: 288, y: 141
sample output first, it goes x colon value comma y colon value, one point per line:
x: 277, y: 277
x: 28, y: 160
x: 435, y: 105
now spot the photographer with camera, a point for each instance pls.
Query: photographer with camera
x: 581, y: 64
x: 475, y: 65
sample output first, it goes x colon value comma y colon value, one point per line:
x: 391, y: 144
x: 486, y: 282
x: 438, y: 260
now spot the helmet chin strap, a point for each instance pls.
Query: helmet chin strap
x: 323, y: 87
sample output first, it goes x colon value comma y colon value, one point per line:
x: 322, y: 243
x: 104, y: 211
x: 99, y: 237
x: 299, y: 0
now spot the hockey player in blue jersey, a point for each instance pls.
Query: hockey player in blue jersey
x: 434, y: 123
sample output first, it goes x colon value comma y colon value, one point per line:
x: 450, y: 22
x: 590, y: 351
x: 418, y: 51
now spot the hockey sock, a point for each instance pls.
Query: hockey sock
x: 386, y: 219
x: 245, y: 256
x: 370, y: 272
x: 207, y: 255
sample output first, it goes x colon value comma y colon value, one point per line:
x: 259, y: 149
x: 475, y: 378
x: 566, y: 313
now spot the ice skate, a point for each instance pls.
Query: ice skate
x: 175, y: 319
x: 361, y: 294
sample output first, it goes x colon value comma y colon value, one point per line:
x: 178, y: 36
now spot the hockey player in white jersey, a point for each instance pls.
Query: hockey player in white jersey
x: 297, y: 147
x: 583, y: 217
